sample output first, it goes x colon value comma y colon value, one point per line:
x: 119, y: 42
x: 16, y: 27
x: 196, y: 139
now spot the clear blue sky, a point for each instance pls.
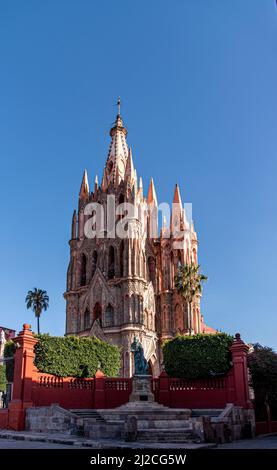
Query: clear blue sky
x: 198, y: 82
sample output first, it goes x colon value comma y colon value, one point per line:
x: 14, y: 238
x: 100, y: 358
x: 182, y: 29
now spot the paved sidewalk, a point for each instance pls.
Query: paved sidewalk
x: 28, y: 440
x: 16, y: 444
x: 263, y: 442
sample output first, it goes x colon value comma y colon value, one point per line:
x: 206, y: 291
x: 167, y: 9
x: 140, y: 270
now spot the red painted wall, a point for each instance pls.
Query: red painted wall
x: 104, y: 392
x: 206, y: 393
x: 264, y: 427
x: 80, y: 393
x: 3, y: 419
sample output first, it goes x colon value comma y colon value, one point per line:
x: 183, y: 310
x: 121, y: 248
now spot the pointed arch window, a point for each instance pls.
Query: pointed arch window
x: 121, y: 200
x: 133, y: 308
x: 121, y: 258
x: 111, y: 263
x: 86, y: 319
x: 83, y: 274
x: 179, y: 318
x: 152, y: 270
x: 109, y: 316
x: 97, y: 312
x: 94, y: 262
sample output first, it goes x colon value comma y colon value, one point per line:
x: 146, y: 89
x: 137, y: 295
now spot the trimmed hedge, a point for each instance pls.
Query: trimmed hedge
x: 76, y: 357
x: 198, y: 356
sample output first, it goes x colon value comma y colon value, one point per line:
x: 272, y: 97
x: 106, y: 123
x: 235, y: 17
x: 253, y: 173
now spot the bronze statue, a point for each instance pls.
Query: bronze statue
x: 141, y: 365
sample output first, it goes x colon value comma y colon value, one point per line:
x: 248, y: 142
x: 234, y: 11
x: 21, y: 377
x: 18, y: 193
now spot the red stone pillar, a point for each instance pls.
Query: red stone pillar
x: 239, y: 352
x: 99, y: 390
x: 22, y: 382
x: 163, y: 389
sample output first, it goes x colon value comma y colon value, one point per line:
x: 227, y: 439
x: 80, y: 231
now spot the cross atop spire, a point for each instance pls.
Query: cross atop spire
x: 118, y: 125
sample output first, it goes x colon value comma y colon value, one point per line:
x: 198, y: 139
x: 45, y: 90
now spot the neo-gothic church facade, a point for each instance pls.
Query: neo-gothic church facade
x: 118, y: 288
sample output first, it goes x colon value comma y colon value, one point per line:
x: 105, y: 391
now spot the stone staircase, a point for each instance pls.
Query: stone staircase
x: 145, y: 422
x: 212, y: 413
x: 167, y: 435
x: 84, y: 416
x: 155, y: 423
x: 92, y: 414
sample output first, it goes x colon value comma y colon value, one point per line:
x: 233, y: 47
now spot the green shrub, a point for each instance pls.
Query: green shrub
x: 197, y: 356
x: 3, y: 380
x: 75, y: 356
x: 9, y: 353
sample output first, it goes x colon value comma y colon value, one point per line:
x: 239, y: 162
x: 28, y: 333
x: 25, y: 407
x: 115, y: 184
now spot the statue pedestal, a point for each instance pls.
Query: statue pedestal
x: 142, y: 389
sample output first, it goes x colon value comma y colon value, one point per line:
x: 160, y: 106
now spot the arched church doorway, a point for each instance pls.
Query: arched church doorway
x: 97, y: 312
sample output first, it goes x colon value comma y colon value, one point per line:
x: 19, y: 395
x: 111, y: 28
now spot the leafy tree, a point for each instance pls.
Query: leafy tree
x: 3, y: 380
x: 37, y: 300
x: 262, y: 363
x: 188, y: 282
x: 9, y: 351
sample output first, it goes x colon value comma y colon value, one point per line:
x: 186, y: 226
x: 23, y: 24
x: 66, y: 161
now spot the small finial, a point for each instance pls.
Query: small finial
x: 118, y: 106
x: 26, y: 327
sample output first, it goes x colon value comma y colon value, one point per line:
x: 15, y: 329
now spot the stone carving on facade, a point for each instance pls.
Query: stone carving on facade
x: 97, y: 331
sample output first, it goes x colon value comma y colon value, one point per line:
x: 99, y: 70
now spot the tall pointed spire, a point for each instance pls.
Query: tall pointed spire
x: 152, y: 197
x: 118, y: 153
x: 177, y: 216
x: 177, y: 197
x: 140, y: 188
x: 84, y: 190
x: 96, y: 183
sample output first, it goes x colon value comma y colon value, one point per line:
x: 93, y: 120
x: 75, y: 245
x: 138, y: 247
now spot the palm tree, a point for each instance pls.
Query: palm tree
x: 37, y: 300
x: 188, y: 282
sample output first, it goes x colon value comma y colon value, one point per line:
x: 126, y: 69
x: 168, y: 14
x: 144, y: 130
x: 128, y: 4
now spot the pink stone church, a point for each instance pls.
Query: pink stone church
x: 118, y: 288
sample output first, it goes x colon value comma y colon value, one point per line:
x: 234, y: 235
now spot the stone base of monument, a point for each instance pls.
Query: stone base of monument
x: 142, y: 389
